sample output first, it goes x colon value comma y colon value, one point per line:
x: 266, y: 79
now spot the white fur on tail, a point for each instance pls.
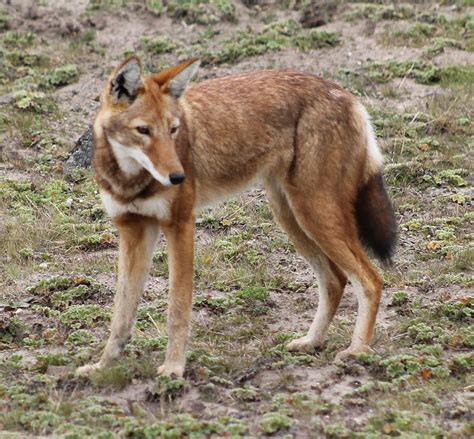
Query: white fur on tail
x: 374, y: 154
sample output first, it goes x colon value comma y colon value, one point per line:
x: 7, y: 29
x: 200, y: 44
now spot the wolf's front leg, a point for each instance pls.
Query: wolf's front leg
x: 180, y: 239
x: 138, y: 237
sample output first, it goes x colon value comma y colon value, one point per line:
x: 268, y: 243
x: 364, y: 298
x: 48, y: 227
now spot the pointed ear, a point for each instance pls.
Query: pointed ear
x: 175, y: 79
x: 127, y: 80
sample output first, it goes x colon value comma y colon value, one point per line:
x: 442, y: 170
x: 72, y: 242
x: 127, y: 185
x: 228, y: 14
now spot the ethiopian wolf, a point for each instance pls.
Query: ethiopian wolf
x: 163, y: 150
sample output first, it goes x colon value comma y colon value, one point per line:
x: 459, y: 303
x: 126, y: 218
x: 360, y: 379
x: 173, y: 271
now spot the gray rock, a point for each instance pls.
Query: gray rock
x: 81, y: 156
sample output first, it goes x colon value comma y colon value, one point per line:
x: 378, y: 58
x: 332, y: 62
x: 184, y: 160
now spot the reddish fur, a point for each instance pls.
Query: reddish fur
x: 302, y: 135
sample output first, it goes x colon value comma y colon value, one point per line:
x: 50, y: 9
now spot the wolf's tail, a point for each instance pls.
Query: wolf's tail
x: 374, y: 211
x: 376, y: 218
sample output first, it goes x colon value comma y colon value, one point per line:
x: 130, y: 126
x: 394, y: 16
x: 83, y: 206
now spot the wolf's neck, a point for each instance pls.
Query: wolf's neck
x: 125, y: 184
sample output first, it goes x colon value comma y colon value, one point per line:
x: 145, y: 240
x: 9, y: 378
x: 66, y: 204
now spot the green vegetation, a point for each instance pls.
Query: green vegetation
x: 439, y: 30
x: 377, y: 12
x: 274, y: 37
x: 63, y: 75
x: 422, y: 72
x: 253, y: 294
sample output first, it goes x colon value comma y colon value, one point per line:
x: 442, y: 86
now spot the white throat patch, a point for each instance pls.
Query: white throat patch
x: 132, y: 160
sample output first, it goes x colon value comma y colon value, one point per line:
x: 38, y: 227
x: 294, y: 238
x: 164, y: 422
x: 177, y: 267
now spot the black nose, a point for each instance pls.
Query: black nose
x: 177, y: 177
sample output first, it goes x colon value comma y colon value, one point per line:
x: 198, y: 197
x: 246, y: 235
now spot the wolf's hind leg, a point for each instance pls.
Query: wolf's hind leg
x: 335, y: 232
x: 331, y: 283
x: 331, y: 280
x: 138, y: 236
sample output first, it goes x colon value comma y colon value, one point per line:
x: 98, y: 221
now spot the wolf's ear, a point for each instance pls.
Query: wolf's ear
x: 126, y: 80
x: 175, y: 79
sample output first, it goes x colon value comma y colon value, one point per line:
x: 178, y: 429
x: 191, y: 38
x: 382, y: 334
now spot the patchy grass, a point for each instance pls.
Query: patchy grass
x: 243, y: 44
x: 274, y: 37
x: 253, y: 293
x: 433, y: 32
x: 377, y: 12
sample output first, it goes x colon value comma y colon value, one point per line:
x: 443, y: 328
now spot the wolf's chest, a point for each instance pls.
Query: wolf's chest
x: 156, y: 207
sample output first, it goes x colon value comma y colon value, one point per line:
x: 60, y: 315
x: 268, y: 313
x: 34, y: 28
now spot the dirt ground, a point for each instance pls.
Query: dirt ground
x: 410, y: 63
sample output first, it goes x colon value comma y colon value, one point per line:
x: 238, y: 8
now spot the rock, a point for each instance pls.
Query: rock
x: 81, y: 156
x: 317, y: 13
x: 6, y: 99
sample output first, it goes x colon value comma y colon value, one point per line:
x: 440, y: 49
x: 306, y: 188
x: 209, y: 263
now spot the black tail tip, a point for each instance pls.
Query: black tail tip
x: 376, y: 219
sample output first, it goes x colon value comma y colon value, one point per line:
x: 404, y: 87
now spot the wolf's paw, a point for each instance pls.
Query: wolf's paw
x: 352, y: 352
x: 303, y: 344
x: 87, y: 370
x: 171, y: 369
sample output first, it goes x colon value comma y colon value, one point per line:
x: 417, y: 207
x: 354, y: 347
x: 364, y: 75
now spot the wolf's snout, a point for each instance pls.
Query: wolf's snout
x: 177, y: 177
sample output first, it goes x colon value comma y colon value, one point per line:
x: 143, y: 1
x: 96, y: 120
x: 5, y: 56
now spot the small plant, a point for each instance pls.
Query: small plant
x: 159, y: 44
x: 399, y: 298
x: 273, y: 422
x: 63, y: 75
x: 166, y: 386
x: 4, y: 20
x: 421, y: 333
x: 19, y: 40
x: 78, y: 316
x: 31, y: 100
x: 462, y: 364
x: 116, y: 377
x: 461, y: 310
x: 247, y: 393
x: 80, y: 337
x: 254, y: 294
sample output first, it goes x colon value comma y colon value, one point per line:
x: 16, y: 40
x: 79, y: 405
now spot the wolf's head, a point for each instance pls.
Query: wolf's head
x: 140, y: 118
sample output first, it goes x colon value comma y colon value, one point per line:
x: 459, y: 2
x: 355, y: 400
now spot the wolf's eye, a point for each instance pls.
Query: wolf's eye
x: 174, y: 129
x: 144, y: 130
